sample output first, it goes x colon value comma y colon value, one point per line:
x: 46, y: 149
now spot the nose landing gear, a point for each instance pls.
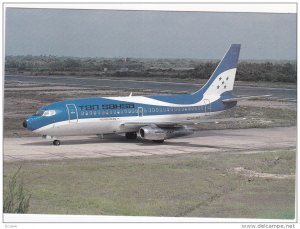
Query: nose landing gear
x: 56, y: 142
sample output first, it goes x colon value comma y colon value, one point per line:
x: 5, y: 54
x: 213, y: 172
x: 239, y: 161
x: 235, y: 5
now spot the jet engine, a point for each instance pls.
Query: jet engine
x: 155, y: 133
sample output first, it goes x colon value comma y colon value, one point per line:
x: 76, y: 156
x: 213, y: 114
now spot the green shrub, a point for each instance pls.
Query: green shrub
x: 16, y: 200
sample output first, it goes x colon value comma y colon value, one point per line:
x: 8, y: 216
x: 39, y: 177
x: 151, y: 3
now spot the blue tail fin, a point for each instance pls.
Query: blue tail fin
x: 222, y: 79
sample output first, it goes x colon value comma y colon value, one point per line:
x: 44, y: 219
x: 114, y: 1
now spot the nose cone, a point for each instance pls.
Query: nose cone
x: 25, y: 123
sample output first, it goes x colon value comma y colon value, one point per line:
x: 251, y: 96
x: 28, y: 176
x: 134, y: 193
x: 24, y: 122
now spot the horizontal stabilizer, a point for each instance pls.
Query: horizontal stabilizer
x: 244, y: 98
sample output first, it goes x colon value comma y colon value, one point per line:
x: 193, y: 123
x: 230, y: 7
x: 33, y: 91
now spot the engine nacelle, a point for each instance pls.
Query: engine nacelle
x: 156, y: 133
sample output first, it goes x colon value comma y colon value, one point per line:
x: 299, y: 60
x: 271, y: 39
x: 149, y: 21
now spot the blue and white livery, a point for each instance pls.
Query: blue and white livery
x: 154, y: 118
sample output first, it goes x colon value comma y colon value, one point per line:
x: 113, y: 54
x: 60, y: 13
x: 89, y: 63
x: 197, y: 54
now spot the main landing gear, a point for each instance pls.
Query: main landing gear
x: 131, y: 135
x: 56, y: 142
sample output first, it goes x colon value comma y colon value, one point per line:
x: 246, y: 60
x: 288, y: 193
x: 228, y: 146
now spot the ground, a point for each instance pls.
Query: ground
x: 206, y: 175
x: 191, y: 185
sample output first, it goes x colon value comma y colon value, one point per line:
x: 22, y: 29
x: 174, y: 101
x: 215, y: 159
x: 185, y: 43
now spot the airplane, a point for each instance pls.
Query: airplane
x: 155, y: 118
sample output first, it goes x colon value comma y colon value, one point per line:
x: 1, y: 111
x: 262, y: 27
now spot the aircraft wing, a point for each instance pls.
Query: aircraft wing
x: 191, y: 122
x: 244, y: 98
x: 159, y: 124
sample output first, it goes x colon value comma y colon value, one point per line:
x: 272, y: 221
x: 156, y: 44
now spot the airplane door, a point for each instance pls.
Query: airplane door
x: 140, y: 111
x: 207, y: 106
x: 72, y: 111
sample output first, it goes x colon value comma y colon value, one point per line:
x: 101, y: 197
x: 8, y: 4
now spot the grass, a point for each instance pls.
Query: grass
x: 16, y: 199
x: 198, y: 185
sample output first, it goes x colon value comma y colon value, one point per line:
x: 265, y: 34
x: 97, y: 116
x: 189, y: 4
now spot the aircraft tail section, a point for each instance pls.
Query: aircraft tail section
x: 220, y: 84
x: 222, y: 79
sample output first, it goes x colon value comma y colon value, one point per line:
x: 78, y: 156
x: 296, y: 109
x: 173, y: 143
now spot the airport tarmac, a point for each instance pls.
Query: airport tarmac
x: 205, y: 142
x: 280, y: 93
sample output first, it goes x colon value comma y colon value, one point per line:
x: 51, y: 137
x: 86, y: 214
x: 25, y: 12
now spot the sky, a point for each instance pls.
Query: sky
x: 148, y: 34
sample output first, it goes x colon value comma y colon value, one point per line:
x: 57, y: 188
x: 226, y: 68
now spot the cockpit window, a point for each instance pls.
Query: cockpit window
x: 45, y: 113
x: 49, y: 113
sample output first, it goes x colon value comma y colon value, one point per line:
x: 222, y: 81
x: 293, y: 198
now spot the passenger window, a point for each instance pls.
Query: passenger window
x: 82, y: 112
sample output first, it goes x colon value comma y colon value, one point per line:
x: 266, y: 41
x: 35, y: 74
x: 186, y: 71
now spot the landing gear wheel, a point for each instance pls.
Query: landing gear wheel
x: 131, y: 135
x: 158, y: 141
x: 56, y: 142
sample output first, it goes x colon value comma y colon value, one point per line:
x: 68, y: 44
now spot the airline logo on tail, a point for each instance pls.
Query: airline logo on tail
x: 222, y: 79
